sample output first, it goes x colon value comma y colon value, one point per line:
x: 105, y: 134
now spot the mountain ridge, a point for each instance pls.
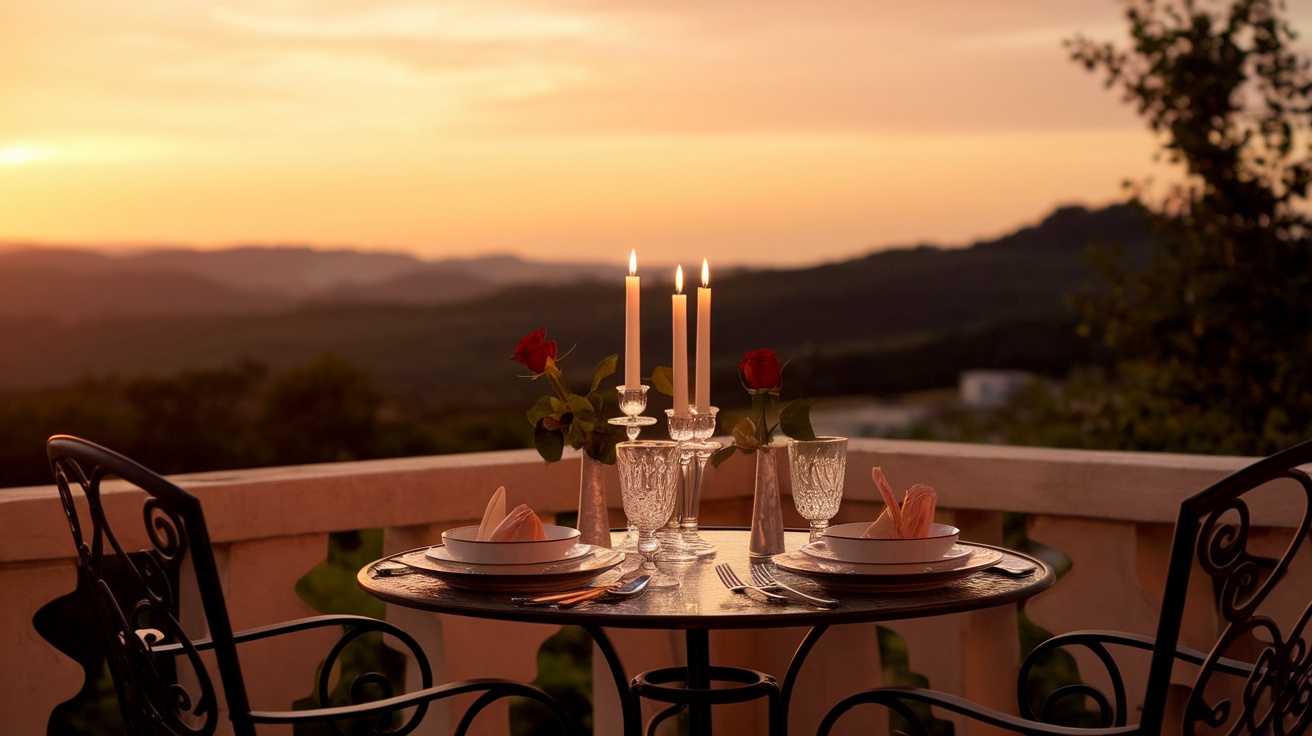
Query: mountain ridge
x: 892, y: 320
x: 79, y: 283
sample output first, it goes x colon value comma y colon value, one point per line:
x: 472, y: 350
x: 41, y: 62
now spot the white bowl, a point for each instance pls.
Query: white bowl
x: 463, y: 545
x: 846, y: 542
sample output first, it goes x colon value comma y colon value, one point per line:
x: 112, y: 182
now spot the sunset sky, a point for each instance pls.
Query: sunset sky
x: 763, y: 131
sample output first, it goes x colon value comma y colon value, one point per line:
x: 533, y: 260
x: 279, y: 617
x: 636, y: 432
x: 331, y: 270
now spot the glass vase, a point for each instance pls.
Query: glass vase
x: 594, y: 519
x: 767, y: 537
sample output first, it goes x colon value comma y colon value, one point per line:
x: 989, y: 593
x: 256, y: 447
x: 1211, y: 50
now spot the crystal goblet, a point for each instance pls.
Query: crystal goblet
x: 649, y: 476
x: 817, y: 467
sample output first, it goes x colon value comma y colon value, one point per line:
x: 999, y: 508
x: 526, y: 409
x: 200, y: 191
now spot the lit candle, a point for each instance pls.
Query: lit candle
x: 704, y: 341
x: 632, y: 325
x: 680, y: 305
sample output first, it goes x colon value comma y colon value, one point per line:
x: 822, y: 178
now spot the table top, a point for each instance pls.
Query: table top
x: 702, y: 602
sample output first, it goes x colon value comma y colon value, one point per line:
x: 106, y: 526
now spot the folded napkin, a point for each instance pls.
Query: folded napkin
x: 520, y: 525
x: 493, y: 514
x: 909, y: 520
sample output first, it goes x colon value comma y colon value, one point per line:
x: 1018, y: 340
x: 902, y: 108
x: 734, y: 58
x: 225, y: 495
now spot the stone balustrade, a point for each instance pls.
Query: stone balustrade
x: 1111, y: 513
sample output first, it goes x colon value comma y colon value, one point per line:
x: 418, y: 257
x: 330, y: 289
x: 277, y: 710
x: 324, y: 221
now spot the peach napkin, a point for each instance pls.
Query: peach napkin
x: 909, y: 520
x: 520, y: 525
x: 493, y: 514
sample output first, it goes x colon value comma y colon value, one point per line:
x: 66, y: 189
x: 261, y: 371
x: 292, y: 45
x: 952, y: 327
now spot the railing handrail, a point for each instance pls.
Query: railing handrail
x: 1130, y: 486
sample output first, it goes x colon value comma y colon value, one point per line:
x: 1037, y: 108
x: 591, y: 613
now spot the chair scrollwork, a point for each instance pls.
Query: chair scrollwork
x: 164, y: 685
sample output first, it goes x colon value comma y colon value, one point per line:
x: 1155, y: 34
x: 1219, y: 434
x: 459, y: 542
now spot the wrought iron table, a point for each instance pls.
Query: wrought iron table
x: 705, y: 604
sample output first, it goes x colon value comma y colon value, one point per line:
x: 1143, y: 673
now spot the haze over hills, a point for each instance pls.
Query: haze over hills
x: 81, y: 283
x: 893, y: 320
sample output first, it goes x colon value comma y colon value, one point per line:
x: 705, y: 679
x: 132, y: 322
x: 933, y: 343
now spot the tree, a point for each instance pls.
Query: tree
x: 1215, y: 336
x: 323, y: 411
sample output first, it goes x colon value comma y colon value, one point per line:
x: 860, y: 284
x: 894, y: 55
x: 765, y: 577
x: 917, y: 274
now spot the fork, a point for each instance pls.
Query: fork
x: 763, y: 579
x: 736, y: 584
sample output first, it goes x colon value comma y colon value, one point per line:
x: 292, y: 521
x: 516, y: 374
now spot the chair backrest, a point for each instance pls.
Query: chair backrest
x: 137, y: 593
x: 1262, y: 610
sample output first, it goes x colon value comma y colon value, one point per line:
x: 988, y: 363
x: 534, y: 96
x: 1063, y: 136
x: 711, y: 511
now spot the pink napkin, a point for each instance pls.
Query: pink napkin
x: 911, y: 519
x: 492, y: 515
x: 520, y: 525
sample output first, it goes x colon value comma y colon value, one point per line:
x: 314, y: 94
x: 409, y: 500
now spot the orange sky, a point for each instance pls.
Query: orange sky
x: 767, y: 131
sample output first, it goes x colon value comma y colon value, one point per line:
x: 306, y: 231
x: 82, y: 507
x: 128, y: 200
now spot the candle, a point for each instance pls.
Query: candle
x: 632, y: 325
x: 704, y: 341
x: 680, y: 306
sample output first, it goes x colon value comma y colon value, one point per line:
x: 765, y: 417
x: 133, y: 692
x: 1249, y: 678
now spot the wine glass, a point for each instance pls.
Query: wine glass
x: 817, y: 468
x: 649, y: 476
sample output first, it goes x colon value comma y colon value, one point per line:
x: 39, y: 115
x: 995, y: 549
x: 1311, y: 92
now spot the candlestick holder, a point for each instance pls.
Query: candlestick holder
x: 673, y: 548
x: 701, y: 447
x: 632, y: 402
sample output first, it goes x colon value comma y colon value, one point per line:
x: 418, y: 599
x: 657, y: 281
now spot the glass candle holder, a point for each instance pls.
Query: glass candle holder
x: 633, y: 402
x: 680, y: 427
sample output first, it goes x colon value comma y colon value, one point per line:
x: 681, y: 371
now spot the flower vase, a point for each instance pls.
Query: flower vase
x: 767, y: 536
x: 594, y: 518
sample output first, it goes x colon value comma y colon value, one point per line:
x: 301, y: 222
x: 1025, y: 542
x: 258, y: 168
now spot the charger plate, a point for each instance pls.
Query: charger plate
x: 531, y: 578
x: 838, y: 575
x: 441, y: 555
x: 825, y: 552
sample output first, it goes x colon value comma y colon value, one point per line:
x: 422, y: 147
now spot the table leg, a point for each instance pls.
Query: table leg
x: 699, y: 664
x: 795, y: 669
x: 628, y: 705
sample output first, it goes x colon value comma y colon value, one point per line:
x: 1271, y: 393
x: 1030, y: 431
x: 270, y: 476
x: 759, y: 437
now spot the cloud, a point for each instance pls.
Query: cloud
x: 431, y: 22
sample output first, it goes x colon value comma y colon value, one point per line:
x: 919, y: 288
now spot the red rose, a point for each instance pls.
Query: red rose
x: 761, y: 370
x: 533, y: 352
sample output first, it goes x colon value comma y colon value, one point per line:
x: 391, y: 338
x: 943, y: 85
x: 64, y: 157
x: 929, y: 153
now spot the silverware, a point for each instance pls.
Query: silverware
x: 625, y: 588
x: 736, y: 584
x: 763, y: 579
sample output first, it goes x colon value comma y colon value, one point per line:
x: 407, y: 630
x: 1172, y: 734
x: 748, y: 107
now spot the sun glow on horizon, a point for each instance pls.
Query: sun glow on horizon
x: 22, y: 153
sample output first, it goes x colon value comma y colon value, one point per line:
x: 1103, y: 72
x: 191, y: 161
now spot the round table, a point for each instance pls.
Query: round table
x: 702, y: 603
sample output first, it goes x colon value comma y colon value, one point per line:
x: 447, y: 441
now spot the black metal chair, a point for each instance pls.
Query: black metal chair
x: 1257, y: 676
x: 162, y: 680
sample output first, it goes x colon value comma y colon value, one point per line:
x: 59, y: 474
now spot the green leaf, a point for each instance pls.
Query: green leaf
x: 722, y: 454
x: 598, y: 401
x: 601, y: 444
x: 581, y: 408
x: 662, y: 379
x: 576, y: 435
x: 605, y: 368
x: 543, y: 407
x: 550, y: 443
x: 795, y: 420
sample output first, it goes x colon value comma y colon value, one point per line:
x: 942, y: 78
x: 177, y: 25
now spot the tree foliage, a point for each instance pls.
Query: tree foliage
x: 325, y: 410
x: 1215, y: 336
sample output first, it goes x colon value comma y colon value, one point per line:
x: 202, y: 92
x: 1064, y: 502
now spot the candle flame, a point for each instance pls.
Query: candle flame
x: 678, y: 280
x: 706, y: 273
x: 633, y: 262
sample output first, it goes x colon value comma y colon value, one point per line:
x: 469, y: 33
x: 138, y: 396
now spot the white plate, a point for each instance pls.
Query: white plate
x: 851, y: 544
x: 529, y: 578
x: 837, y: 575
x: 822, y: 551
x: 441, y: 554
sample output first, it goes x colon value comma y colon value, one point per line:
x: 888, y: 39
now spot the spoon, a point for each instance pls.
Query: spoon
x: 622, y: 589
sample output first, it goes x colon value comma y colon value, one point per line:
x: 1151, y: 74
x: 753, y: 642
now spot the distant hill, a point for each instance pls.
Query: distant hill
x: 84, y: 284
x: 894, y: 320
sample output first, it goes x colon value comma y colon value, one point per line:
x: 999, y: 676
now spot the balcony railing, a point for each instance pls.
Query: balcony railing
x: 1110, y: 513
